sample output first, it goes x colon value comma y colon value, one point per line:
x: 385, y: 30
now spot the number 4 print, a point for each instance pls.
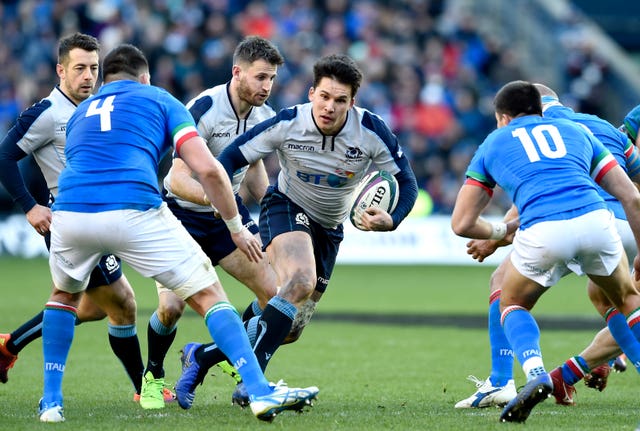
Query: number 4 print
x: 104, y: 111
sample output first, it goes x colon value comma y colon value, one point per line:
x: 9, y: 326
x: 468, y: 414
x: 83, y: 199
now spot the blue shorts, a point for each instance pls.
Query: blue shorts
x: 209, y: 232
x: 106, y: 272
x: 278, y: 214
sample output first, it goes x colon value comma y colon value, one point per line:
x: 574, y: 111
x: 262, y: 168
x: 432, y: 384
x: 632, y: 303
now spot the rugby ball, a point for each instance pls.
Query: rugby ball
x: 377, y: 188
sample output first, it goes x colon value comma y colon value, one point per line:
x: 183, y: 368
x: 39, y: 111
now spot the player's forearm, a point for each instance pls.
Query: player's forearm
x: 257, y: 180
x: 232, y: 159
x: 408, y: 194
x: 218, y: 190
x: 188, y: 188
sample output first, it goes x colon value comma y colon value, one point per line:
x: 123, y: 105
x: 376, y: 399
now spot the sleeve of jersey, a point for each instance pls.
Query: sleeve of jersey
x: 602, y: 163
x: 408, y: 192
x: 178, y: 120
x: 632, y: 154
x: 254, y: 144
x: 483, y: 184
x: 232, y: 158
x: 182, y: 133
x: 477, y: 173
x: 405, y: 176
x: 10, y: 176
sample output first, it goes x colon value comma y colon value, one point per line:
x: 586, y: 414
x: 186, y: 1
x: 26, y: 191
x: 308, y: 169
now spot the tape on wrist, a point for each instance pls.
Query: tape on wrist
x: 498, y: 231
x: 235, y: 224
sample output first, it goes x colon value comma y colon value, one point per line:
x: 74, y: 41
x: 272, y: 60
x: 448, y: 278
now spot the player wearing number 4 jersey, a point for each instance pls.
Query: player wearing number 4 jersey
x: 40, y: 131
x: 546, y: 165
x: 109, y: 201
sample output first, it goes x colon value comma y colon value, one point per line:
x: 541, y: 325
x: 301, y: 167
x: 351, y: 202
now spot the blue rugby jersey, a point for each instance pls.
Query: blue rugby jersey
x: 616, y: 142
x: 545, y: 165
x: 115, y: 141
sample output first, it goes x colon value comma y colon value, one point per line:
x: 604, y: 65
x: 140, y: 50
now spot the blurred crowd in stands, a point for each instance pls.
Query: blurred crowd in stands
x: 429, y: 72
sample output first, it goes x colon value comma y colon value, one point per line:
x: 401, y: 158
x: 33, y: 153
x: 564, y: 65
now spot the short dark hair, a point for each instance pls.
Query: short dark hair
x: 518, y: 98
x: 124, y: 59
x: 76, y: 40
x: 339, y: 67
x: 253, y: 48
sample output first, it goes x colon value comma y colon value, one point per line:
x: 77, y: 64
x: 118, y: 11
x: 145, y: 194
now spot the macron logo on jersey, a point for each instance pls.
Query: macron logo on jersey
x: 301, y: 147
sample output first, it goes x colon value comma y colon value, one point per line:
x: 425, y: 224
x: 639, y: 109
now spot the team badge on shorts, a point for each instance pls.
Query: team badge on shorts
x: 301, y: 218
x: 111, y: 264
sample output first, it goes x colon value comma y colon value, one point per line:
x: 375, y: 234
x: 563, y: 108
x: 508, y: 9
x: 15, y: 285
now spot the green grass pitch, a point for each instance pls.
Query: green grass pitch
x: 404, y: 372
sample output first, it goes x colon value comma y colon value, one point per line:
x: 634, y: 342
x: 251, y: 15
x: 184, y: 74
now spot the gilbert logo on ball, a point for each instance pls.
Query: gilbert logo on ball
x: 377, y: 188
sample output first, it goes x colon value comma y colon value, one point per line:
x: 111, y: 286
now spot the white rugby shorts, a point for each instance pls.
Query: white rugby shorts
x: 628, y: 240
x: 152, y: 242
x: 549, y: 250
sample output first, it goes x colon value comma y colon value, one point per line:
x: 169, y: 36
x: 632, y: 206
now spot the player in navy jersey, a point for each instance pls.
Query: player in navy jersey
x: 591, y: 364
x: 547, y: 166
x: 108, y: 201
x: 325, y: 147
x: 40, y: 130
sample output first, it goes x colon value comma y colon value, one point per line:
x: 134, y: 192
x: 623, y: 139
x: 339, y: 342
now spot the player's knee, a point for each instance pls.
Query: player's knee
x: 303, y: 284
x: 170, y: 309
x: 126, y: 308
x: 129, y: 309
x: 496, y: 279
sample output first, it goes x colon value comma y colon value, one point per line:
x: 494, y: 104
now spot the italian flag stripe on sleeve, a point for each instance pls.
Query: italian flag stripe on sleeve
x: 183, y: 133
x: 603, y: 164
x: 474, y: 182
x: 628, y: 150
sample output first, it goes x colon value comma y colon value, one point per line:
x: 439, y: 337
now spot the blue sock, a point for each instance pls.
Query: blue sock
x: 58, y: 326
x: 522, y: 332
x: 574, y: 370
x: 255, y: 307
x: 252, y: 310
x: 252, y: 329
x: 624, y: 335
x: 229, y: 334
x: 501, y: 353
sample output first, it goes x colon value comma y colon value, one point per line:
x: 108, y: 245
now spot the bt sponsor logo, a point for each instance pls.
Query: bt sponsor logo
x: 333, y: 180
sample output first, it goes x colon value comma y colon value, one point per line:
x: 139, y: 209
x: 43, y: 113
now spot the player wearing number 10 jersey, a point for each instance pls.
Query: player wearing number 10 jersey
x: 545, y: 166
x: 513, y: 155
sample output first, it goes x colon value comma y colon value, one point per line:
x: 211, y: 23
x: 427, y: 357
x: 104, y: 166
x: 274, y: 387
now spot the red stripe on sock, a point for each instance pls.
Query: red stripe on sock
x: 494, y: 296
x: 60, y: 306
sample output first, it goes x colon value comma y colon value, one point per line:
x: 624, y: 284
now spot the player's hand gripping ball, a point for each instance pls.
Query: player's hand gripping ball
x: 377, y: 188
